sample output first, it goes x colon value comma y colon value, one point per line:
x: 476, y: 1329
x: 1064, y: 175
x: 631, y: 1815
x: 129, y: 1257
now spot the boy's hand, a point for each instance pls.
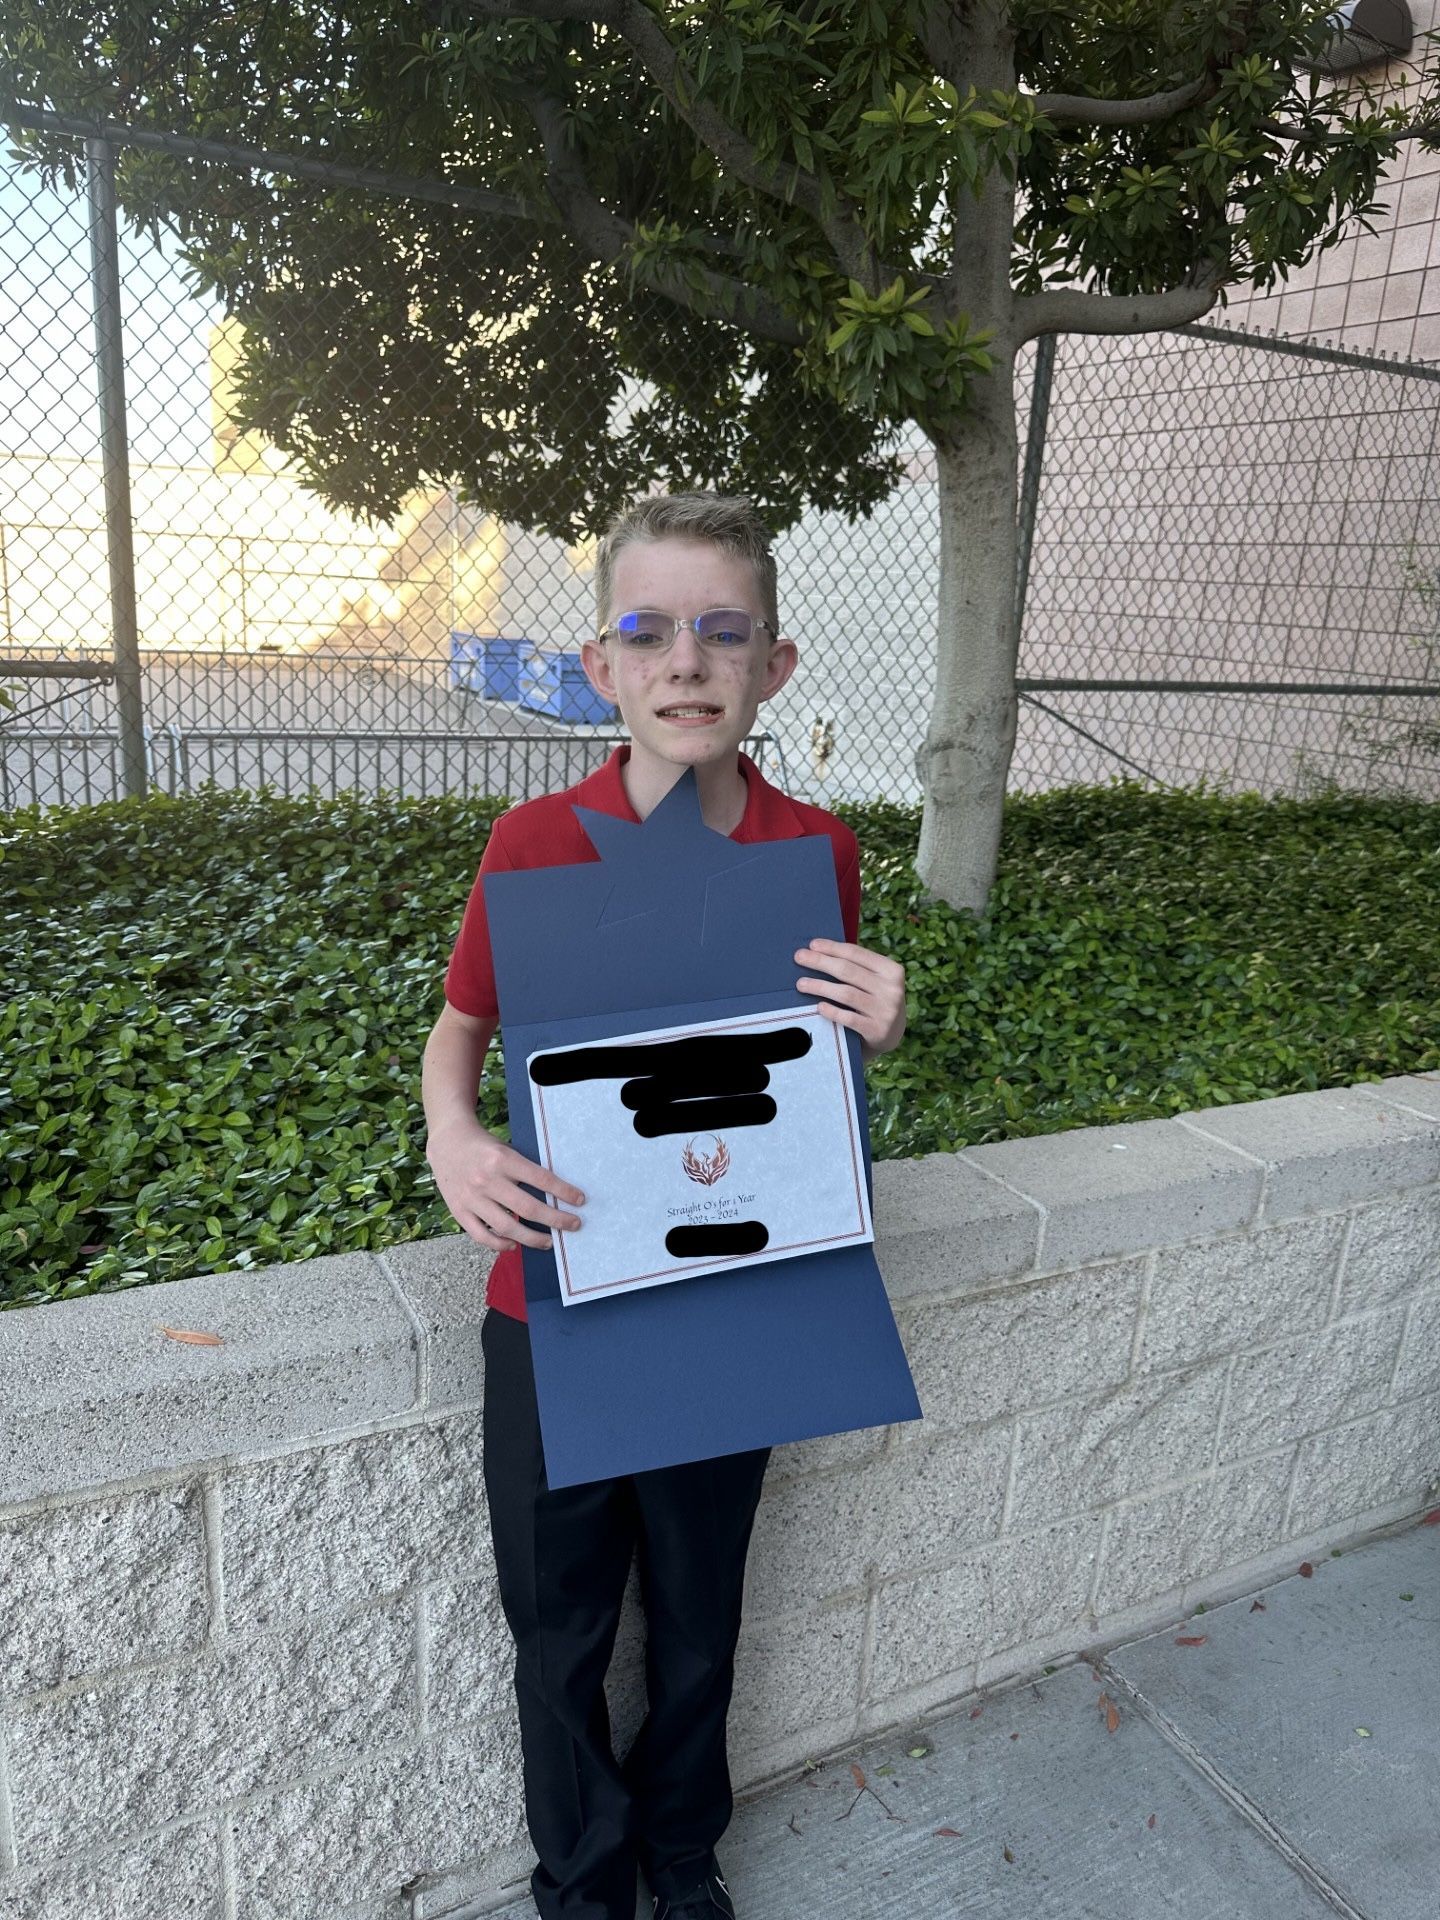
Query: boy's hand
x: 869, y: 987
x: 479, y: 1180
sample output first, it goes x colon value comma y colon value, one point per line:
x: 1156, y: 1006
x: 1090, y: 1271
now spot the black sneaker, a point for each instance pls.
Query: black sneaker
x: 708, y: 1901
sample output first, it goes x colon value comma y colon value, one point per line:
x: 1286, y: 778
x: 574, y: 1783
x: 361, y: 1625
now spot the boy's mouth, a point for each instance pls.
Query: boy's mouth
x: 690, y: 713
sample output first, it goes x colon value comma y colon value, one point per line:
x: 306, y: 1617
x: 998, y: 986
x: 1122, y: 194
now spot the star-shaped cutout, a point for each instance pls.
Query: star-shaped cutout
x: 663, y: 864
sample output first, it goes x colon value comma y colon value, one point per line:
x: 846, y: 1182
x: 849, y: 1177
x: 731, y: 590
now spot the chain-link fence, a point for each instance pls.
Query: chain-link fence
x: 1234, y: 572
x: 1239, y: 513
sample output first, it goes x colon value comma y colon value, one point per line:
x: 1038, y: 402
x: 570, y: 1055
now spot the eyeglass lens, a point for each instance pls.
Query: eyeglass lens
x: 719, y: 627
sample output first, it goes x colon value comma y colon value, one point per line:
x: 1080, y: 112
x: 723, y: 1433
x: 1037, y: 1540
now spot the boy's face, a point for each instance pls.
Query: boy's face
x: 691, y: 705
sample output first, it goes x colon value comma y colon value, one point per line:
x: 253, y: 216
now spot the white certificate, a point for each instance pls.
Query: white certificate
x: 724, y: 1143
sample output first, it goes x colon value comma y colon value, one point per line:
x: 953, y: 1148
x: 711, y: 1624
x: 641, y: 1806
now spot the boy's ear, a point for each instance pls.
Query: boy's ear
x: 784, y: 656
x: 595, y: 661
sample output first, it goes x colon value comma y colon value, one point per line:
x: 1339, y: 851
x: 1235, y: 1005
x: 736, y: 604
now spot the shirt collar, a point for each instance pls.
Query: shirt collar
x: 605, y: 791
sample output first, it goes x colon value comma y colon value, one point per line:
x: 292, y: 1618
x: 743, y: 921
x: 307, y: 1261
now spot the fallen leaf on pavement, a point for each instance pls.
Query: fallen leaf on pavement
x: 948, y: 1833
x: 1306, y: 1569
x: 1432, y: 1519
x: 1151, y: 1821
x: 1007, y: 1853
x: 1191, y: 1639
x: 194, y: 1338
x: 1257, y: 1606
x: 857, y: 1776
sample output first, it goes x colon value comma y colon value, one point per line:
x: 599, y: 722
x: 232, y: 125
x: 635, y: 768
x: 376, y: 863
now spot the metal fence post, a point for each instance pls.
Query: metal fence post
x: 1030, y: 474
x: 115, y: 456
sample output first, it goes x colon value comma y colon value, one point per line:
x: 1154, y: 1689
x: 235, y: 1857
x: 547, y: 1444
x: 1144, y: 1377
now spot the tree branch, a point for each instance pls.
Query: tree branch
x: 1154, y: 106
x: 608, y: 238
x: 1123, y: 113
x: 792, y: 185
x: 1070, y: 310
x: 1419, y: 131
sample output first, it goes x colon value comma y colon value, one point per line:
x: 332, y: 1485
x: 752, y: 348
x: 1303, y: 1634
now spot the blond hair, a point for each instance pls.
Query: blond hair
x: 724, y: 520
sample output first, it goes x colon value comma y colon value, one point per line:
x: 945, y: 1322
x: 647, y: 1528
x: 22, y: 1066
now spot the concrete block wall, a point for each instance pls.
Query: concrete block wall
x: 252, y: 1665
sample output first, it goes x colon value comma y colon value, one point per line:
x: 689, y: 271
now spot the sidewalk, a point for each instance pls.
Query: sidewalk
x: 1287, y: 1768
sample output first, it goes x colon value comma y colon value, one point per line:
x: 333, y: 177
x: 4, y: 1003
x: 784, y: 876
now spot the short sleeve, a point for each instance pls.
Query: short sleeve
x: 470, y: 976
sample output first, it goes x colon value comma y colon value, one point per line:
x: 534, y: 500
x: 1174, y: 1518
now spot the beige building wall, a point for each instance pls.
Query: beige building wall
x: 1375, y: 292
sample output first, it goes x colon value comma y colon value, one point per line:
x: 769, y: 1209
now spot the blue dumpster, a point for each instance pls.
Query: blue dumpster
x: 553, y: 684
x: 487, y: 663
x: 466, y: 668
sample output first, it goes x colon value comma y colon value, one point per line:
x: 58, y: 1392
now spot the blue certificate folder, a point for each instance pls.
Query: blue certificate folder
x: 677, y: 923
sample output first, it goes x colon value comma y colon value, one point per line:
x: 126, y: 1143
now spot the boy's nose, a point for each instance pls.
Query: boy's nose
x: 687, y: 656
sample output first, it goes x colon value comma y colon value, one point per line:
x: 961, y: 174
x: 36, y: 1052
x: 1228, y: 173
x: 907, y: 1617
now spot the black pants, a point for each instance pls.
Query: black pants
x: 563, y: 1559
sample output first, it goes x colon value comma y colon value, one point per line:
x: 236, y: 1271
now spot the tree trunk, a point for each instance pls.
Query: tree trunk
x: 966, y: 756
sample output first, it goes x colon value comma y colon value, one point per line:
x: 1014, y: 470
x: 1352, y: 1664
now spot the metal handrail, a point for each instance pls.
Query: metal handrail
x: 551, y: 737
x: 531, y: 755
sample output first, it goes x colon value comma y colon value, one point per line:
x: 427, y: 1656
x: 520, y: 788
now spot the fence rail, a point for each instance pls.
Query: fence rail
x: 82, y: 769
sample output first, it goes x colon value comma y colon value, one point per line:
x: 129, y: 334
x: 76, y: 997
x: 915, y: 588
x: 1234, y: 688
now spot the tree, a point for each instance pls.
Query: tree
x: 801, y: 225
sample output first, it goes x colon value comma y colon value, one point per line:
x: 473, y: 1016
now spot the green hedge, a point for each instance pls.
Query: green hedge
x: 216, y: 1005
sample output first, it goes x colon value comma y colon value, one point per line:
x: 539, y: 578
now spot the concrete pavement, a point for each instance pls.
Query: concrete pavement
x: 1286, y: 1767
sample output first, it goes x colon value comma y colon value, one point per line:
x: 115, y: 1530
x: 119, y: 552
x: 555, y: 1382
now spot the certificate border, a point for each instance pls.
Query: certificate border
x: 630, y: 1282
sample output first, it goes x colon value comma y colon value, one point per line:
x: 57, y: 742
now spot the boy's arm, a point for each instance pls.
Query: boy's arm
x: 479, y: 1176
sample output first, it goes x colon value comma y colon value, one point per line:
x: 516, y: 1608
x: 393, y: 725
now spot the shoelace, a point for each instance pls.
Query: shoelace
x: 700, y: 1905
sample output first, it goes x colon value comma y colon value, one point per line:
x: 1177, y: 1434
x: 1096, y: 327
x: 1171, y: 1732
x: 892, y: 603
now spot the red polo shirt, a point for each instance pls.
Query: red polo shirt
x: 545, y: 833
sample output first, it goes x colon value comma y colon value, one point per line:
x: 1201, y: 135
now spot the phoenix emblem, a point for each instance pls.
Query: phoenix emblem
x: 706, y: 1168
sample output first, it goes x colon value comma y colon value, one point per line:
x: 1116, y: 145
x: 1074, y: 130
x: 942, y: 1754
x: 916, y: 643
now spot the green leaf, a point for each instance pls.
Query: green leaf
x: 1145, y: 953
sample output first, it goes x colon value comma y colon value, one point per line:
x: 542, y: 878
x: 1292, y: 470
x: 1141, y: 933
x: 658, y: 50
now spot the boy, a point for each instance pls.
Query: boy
x: 688, y: 646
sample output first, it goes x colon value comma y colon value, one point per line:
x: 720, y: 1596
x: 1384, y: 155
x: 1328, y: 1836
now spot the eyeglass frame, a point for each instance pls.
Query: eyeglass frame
x: 755, y: 619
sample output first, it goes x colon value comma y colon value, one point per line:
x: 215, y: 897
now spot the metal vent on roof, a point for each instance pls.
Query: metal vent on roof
x: 1364, y: 33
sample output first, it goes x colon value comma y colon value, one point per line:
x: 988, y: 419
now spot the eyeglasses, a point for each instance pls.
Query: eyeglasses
x: 722, y: 629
